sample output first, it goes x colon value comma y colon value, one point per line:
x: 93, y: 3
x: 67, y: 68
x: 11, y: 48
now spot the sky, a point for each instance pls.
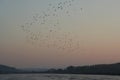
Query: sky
x: 59, y: 33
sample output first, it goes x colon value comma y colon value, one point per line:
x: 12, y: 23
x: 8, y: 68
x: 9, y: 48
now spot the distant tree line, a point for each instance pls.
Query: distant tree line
x: 109, y: 69
x: 101, y: 69
x: 6, y: 69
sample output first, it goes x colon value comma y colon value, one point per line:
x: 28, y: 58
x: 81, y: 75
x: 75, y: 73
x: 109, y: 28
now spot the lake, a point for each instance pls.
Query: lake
x: 56, y: 77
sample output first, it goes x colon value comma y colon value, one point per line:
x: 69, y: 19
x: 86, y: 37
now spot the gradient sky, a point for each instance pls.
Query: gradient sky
x: 94, y: 24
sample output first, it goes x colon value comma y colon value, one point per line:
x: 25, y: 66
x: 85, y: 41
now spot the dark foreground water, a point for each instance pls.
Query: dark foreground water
x: 56, y: 77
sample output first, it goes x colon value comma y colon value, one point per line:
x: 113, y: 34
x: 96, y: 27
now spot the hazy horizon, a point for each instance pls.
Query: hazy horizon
x: 59, y: 33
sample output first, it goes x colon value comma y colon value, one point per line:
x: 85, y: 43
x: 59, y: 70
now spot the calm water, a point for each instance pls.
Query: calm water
x: 56, y: 77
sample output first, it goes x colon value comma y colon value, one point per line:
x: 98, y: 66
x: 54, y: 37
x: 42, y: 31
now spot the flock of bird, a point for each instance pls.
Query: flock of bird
x: 45, y: 30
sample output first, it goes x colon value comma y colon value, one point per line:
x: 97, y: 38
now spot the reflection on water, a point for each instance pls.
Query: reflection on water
x: 56, y: 77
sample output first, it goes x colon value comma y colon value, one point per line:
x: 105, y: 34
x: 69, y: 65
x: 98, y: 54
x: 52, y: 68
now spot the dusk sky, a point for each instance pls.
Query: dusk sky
x: 59, y: 33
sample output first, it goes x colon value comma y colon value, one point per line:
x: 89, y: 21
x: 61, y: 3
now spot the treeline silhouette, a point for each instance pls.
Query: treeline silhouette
x: 101, y: 69
x: 7, y: 69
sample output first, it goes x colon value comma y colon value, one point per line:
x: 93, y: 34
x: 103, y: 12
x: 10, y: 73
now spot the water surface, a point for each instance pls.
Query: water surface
x: 56, y: 77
